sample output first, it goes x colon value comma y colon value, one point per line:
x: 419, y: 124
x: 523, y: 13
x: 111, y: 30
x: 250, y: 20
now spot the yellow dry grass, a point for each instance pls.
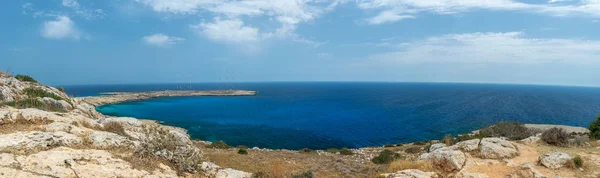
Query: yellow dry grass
x: 399, y: 165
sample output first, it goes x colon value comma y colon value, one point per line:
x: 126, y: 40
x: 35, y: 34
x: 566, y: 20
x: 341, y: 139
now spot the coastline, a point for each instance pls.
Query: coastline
x: 119, y: 97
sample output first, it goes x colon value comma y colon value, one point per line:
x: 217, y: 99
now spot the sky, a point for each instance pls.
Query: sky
x: 77, y: 42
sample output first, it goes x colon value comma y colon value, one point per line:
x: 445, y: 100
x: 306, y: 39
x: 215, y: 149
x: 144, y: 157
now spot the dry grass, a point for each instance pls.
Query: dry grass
x: 276, y: 163
x: 399, y: 165
x: 114, y: 127
x: 448, y: 140
x: 21, y: 124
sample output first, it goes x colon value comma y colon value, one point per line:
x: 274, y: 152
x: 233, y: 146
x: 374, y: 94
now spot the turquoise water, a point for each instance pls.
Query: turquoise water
x: 324, y: 115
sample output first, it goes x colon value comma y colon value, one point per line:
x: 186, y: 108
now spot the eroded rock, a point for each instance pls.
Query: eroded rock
x: 410, y: 173
x: 555, y: 160
x: 497, y: 148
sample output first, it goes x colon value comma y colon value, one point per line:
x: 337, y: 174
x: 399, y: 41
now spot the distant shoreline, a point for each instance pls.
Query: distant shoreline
x: 120, y: 97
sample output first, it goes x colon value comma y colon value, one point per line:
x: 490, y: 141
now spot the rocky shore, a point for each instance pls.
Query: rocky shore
x: 45, y: 133
x: 119, y: 97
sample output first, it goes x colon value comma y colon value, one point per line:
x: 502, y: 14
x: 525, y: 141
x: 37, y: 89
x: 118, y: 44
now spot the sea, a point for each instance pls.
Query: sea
x: 321, y: 115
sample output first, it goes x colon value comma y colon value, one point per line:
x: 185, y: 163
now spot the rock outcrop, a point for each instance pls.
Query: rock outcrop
x: 497, y: 148
x: 555, y: 160
x: 411, y: 173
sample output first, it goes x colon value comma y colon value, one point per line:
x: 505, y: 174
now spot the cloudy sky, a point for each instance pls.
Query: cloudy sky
x: 62, y: 42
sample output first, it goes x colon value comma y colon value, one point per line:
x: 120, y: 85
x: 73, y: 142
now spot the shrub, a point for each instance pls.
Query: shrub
x: 556, y: 136
x: 595, y: 129
x: 25, y: 78
x: 420, y: 143
x: 399, y: 144
x: 466, y: 137
x: 305, y: 150
x: 61, y: 89
x: 385, y: 157
x: 510, y: 130
x: 578, y: 161
x: 413, y: 150
x: 305, y: 174
x: 346, y: 151
x: 37, y: 92
x: 388, y: 145
x: 219, y: 145
x: 447, y: 140
x: 332, y: 150
x: 114, y: 127
x: 242, y: 151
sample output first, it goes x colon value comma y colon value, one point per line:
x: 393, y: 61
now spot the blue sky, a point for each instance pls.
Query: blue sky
x: 66, y: 42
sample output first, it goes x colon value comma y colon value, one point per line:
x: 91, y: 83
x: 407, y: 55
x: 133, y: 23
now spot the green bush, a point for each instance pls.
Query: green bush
x: 305, y: 150
x: 399, y: 144
x: 388, y: 145
x: 556, y: 136
x: 219, y: 145
x: 420, y: 143
x: 332, y: 150
x: 413, y: 150
x: 37, y: 92
x: 595, y: 129
x: 242, y: 151
x: 385, y: 157
x: 578, y: 161
x: 510, y: 130
x: 25, y: 78
x: 61, y: 89
x: 346, y: 151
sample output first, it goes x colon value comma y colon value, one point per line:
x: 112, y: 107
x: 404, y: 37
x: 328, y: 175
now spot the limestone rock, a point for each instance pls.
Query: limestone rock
x: 10, y: 173
x: 497, y: 148
x: 65, y: 127
x: 527, y: 171
x: 448, y: 160
x: 472, y: 175
x: 36, y: 140
x: 107, y: 139
x: 8, y: 160
x: 67, y: 162
x: 469, y: 145
x: 532, y: 139
x: 555, y: 160
x: 232, y: 173
x: 410, y: 173
x: 436, y: 146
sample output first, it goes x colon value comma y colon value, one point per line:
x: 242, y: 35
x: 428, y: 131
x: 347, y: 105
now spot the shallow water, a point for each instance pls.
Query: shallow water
x: 324, y: 115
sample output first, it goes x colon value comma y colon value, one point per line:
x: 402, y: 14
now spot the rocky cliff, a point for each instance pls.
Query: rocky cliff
x: 46, y: 133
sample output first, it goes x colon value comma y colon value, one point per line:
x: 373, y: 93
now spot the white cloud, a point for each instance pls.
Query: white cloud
x: 161, y: 40
x: 288, y: 13
x: 70, y: 3
x: 510, y: 48
x: 412, y: 7
x: 388, y: 16
x: 61, y: 28
x: 227, y: 31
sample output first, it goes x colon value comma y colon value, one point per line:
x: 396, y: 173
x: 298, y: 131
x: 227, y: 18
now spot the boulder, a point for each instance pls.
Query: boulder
x: 555, y: 160
x: 497, y: 148
x: 527, y: 171
x: 447, y: 159
x: 410, y: 173
x: 67, y: 162
x: 532, y: 139
x: 469, y: 145
x: 10, y: 172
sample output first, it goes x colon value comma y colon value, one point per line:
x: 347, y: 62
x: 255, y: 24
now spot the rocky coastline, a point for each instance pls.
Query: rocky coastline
x: 119, y: 97
x: 45, y: 133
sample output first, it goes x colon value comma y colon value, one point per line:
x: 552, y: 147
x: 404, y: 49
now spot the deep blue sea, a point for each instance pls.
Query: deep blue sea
x: 324, y: 115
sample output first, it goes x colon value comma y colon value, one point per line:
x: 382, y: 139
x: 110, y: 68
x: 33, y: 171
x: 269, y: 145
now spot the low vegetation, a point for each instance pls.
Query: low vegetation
x: 578, y: 161
x: 25, y: 78
x: 242, y: 151
x: 386, y: 157
x: 413, y: 150
x: 346, y: 151
x: 114, y: 127
x: 510, y: 130
x: 595, y: 129
x: 34, y: 103
x: 305, y: 150
x: 37, y: 92
x: 219, y: 145
x: 556, y: 136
